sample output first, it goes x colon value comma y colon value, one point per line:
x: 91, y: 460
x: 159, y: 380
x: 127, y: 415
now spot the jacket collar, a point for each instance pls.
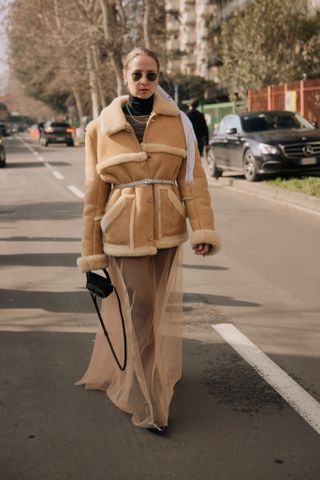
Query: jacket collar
x: 113, y: 120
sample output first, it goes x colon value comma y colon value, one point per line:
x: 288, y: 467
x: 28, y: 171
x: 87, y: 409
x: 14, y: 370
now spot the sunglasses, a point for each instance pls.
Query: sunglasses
x: 151, y: 76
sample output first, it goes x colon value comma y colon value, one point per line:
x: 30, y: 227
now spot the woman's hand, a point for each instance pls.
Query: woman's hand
x: 201, y: 249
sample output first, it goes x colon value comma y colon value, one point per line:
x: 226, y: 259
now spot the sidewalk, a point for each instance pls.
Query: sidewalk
x: 300, y: 201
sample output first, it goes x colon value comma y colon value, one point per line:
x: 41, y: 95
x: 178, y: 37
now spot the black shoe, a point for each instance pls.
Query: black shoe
x: 157, y: 429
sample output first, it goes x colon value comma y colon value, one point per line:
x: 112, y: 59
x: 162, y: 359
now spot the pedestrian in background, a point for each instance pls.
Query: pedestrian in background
x: 140, y: 186
x: 199, y: 125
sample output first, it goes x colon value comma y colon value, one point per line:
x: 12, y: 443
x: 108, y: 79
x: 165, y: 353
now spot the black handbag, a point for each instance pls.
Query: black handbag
x: 102, y: 287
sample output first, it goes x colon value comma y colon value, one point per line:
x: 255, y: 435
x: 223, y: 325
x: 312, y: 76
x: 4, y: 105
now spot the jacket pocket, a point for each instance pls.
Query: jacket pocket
x: 172, y: 214
x: 117, y: 222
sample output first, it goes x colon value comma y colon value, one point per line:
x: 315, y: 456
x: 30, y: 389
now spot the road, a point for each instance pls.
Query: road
x: 227, y: 421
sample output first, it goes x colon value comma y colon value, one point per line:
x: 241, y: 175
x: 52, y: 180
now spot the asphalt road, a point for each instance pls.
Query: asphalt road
x: 227, y: 421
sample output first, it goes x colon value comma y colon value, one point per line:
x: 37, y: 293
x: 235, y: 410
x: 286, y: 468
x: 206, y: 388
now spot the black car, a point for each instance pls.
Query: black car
x: 2, y: 154
x: 260, y: 143
x: 56, y: 132
x: 4, y: 129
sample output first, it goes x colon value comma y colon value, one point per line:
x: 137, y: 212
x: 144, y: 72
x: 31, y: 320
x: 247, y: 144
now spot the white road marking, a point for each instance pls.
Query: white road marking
x: 57, y: 175
x: 76, y: 191
x: 300, y: 400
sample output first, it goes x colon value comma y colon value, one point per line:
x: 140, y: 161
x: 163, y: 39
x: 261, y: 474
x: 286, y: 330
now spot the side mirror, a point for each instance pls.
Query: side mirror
x: 232, y: 131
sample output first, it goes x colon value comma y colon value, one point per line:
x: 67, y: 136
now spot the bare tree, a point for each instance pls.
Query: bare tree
x: 76, y: 47
x: 113, y: 21
x: 147, y: 23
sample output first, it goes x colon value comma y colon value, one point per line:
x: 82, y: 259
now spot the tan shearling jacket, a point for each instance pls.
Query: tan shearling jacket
x: 139, y: 220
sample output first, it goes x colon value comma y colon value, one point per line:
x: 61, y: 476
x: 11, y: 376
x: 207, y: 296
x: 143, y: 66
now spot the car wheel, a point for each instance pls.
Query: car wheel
x: 250, y: 166
x: 214, y: 171
x: 70, y: 144
x: 2, y: 160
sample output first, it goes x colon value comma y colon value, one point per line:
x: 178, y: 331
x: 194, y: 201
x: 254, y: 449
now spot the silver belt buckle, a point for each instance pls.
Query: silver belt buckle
x: 148, y: 181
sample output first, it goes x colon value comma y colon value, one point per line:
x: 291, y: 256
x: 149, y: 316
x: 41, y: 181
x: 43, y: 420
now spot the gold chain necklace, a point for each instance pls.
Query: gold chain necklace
x: 134, y: 119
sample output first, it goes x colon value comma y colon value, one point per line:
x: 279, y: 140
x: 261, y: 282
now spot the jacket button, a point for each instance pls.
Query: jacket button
x: 150, y: 199
x: 149, y: 236
x: 148, y: 157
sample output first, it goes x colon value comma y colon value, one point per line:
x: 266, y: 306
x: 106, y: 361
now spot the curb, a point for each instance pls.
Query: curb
x: 298, y: 200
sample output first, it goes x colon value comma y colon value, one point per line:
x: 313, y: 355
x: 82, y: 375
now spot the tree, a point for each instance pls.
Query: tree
x: 43, y: 57
x: 61, y: 54
x: 191, y: 86
x: 154, y: 30
x: 271, y: 41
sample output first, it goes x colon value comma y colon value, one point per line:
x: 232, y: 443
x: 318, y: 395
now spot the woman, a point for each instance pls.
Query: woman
x: 140, y: 186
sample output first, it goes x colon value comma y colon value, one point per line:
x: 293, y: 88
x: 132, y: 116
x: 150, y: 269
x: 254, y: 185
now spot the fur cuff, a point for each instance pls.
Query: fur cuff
x: 206, y: 236
x: 92, y: 262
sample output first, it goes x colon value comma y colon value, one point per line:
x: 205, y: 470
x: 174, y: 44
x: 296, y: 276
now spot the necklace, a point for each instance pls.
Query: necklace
x: 134, y: 119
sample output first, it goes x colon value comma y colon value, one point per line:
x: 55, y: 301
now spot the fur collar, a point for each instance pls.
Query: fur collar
x: 113, y: 120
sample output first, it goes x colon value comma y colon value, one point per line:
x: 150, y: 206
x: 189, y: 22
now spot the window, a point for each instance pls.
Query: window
x: 230, y: 121
x: 274, y: 121
x: 60, y: 124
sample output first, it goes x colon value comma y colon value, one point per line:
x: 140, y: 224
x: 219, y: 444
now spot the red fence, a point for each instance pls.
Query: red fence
x: 302, y: 96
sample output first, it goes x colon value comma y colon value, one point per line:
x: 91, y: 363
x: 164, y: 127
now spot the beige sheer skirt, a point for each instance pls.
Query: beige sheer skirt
x: 151, y: 297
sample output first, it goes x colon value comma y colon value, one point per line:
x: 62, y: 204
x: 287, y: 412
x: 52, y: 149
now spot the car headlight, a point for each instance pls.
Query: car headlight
x: 266, y: 149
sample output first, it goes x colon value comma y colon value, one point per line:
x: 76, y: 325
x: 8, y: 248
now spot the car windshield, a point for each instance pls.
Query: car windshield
x: 60, y: 125
x: 273, y: 121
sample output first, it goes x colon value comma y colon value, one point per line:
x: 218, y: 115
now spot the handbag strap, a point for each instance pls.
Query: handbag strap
x: 105, y: 331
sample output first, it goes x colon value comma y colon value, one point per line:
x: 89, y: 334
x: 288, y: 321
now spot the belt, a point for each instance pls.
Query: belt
x: 144, y: 181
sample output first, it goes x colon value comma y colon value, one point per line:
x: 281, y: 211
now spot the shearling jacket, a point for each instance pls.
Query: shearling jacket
x: 139, y: 220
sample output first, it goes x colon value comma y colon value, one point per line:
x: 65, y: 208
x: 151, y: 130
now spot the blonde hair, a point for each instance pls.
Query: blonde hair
x: 140, y: 51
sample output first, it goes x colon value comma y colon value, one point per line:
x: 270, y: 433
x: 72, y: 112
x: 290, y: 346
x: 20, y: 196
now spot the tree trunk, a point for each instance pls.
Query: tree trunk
x: 92, y: 85
x: 146, y: 24
x: 78, y: 101
x: 99, y: 84
x: 118, y: 68
x: 113, y: 39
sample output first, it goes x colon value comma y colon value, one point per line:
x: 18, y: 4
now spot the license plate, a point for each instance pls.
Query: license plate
x: 308, y: 161
x: 60, y: 138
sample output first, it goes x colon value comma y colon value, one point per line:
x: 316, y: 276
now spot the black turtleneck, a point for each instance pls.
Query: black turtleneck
x: 139, y: 106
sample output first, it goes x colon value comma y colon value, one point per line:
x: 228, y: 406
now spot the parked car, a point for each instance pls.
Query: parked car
x: 261, y: 143
x: 4, y: 129
x: 2, y: 154
x: 56, y: 132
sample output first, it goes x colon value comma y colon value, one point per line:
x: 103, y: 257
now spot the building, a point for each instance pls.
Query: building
x: 192, y: 30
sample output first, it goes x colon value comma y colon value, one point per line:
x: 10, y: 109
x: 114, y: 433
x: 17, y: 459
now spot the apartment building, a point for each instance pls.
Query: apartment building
x: 192, y: 34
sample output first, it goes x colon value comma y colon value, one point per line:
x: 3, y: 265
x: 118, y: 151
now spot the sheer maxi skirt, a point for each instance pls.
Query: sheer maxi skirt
x: 151, y: 297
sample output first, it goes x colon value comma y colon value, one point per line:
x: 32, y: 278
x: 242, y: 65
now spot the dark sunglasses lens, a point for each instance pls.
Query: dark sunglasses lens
x: 152, y: 76
x: 136, y: 76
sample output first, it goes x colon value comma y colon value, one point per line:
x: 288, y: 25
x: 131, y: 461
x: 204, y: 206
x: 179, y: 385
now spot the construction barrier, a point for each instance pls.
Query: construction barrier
x: 302, y: 96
